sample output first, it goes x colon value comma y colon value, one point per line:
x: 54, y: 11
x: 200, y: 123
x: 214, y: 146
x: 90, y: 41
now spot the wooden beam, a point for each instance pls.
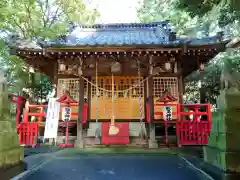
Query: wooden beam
x: 55, y: 78
x: 180, y: 82
x: 114, y: 48
x: 150, y: 97
x: 80, y: 139
x: 234, y: 43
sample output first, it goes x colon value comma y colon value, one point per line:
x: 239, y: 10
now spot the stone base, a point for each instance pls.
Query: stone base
x: 152, y: 144
x: 11, y: 153
x: 88, y: 141
x: 9, y: 172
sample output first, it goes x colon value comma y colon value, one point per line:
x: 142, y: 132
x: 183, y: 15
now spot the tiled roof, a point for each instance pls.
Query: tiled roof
x: 117, y: 34
x: 156, y: 33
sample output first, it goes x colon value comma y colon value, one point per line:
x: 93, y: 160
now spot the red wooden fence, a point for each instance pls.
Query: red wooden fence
x: 196, y: 130
x: 193, y: 131
x: 28, y: 133
x: 42, y: 112
x: 189, y: 131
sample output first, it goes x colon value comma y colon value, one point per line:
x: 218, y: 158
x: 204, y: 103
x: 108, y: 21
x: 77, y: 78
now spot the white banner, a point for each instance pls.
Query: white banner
x: 51, y: 124
x: 66, y: 113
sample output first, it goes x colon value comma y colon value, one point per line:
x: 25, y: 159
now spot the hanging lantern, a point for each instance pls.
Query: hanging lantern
x: 62, y: 67
x: 168, y: 66
x: 31, y: 69
x: 80, y: 72
x: 116, y: 67
x: 125, y: 94
x: 97, y: 93
x: 201, y: 67
x: 91, y: 65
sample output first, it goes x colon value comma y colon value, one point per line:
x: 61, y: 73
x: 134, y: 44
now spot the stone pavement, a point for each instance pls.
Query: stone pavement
x: 73, y: 164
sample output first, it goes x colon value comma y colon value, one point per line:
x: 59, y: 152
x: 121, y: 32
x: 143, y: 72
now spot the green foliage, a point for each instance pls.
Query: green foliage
x: 159, y: 10
x: 35, y: 21
x: 43, y: 18
x: 210, y: 77
x: 40, y: 87
x: 184, y: 24
x: 226, y: 11
x: 199, y: 18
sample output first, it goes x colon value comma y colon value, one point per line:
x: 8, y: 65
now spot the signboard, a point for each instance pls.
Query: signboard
x: 167, y: 113
x: 66, y: 113
x: 52, y: 118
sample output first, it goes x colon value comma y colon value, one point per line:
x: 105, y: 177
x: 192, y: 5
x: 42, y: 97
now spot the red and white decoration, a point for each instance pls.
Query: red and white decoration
x: 167, y: 113
x: 66, y: 113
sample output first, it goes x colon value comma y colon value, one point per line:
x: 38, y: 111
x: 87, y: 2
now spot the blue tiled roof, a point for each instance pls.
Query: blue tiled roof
x: 156, y: 33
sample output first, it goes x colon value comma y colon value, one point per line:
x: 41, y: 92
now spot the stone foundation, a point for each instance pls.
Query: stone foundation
x: 223, y: 150
x: 11, y: 154
x: 135, y: 141
x: 11, y: 171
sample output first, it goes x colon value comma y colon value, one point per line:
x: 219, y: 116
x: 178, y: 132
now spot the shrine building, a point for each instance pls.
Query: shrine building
x: 124, y: 73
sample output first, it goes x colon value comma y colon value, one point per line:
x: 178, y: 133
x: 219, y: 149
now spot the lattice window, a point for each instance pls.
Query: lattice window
x: 120, y: 83
x: 160, y: 84
x: 71, y: 85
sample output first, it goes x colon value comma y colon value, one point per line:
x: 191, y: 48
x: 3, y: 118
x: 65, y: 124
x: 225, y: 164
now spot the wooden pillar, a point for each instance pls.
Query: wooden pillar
x: 80, y: 139
x: 152, y: 143
x: 180, y: 82
x: 55, y: 79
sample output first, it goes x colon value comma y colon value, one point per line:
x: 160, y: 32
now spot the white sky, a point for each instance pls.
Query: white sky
x: 116, y: 11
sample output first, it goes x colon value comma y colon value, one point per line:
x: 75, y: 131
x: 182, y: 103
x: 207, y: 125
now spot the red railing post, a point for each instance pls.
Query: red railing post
x: 148, y: 113
x: 85, y: 112
x: 18, y: 100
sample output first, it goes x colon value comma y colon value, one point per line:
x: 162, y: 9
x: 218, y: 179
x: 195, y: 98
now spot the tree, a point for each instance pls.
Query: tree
x: 43, y: 19
x: 184, y: 24
x: 33, y: 22
x: 225, y: 11
x: 160, y: 10
x: 191, y: 20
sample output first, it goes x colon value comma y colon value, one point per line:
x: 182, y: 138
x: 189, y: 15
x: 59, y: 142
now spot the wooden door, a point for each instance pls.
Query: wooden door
x: 126, y: 104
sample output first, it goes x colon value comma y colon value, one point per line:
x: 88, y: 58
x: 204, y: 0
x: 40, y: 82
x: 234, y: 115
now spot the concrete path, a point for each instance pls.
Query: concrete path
x: 63, y: 165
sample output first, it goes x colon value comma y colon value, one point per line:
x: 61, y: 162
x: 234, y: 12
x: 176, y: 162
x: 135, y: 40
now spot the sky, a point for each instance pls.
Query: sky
x: 116, y: 11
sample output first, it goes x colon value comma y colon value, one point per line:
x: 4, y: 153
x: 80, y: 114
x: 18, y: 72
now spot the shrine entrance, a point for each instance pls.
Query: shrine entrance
x: 126, y: 98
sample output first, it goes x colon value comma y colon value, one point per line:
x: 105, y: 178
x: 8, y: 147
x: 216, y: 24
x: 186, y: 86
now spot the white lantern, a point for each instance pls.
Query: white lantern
x: 116, y: 67
x: 31, y: 69
x: 80, y: 72
x: 167, y: 66
x: 201, y: 67
x: 62, y: 67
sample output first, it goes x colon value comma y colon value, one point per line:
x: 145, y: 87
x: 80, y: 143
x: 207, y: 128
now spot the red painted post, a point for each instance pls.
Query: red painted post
x: 25, y: 114
x: 85, y: 110
x: 148, y: 112
x: 66, y: 134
